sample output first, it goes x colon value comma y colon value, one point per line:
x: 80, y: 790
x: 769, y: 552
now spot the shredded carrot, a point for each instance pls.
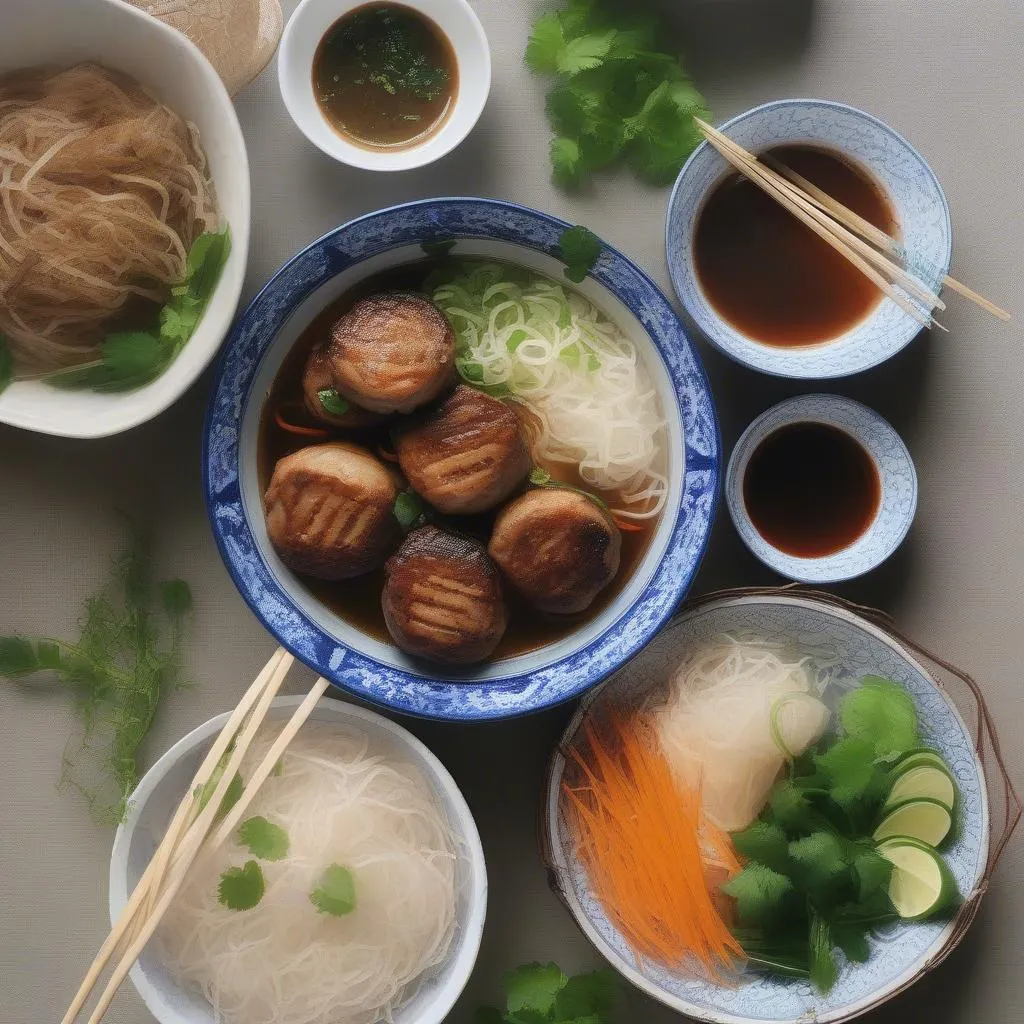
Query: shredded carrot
x: 651, y: 858
x: 294, y: 428
x: 626, y: 526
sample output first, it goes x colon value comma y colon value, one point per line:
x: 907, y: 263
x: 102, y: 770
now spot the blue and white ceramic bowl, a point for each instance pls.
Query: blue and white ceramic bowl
x: 901, y: 951
x: 378, y: 671
x: 896, y: 474
x: 914, y: 193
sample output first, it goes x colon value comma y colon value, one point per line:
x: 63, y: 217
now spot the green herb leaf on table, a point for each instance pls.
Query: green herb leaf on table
x: 580, y: 249
x: 336, y: 893
x: 759, y: 892
x: 545, y: 44
x: 176, y: 597
x: 584, y: 53
x: 6, y: 364
x: 534, y: 987
x: 332, y: 401
x: 263, y: 838
x: 590, y: 996
x: 881, y: 713
x: 241, y: 888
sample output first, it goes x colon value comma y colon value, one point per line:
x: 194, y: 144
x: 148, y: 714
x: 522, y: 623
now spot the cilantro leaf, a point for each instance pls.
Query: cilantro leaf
x: 408, y: 508
x: 824, y: 971
x: 17, y: 656
x: 852, y: 939
x: 332, y: 402
x: 584, y: 52
x: 241, y: 888
x: 872, y: 872
x: 534, y: 987
x: 438, y: 247
x: 759, y: 892
x: 336, y: 893
x: 591, y: 995
x: 545, y: 44
x: 566, y: 161
x: 882, y: 713
x: 789, y: 807
x: 263, y: 838
x: 205, y: 260
x: 818, y: 859
x: 6, y: 365
x: 580, y: 249
x: 231, y: 795
x: 132, y: 354
x: 176, y: 597
x: 764, y: 842
x: 849, y: 766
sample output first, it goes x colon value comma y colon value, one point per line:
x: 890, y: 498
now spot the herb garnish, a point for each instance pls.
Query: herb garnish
x: 615, y: 95
x: 263, y: 838
x: 542, y: 478
x: 544, y: 994
x: 336, y: 893
x: 126, y: 658
x: 131, y: 359
x: 408, y: 508
x: 579, y: 248
x: 332, y: 401
x: 241, y: 888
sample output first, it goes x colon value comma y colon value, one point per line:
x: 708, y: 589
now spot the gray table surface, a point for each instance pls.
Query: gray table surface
x: 945, y: 72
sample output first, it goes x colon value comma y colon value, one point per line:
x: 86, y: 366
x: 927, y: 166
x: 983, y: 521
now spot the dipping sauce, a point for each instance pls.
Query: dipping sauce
x: 385, y: 76
x: 811, y: 490
x: 768, y: 274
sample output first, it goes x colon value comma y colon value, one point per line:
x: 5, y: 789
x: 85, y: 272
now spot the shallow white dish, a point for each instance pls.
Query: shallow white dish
x: 914, y: 193
x: 65, y: 32
x: 896, y: 476
x: 310, y: 23
x: 157, y: 795
x: 900, y: 952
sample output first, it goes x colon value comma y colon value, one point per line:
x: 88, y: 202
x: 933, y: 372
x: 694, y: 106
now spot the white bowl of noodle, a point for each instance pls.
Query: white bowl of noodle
x: 132, y: 46
x: 353, y: 788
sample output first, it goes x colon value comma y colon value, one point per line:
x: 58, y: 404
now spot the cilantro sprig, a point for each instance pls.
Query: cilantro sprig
x: 615, y: 94
x: 264, y: 839
x: 130, y: 359
x: 580, y: 249
x: 543, y: 994
x: 241, y: 888
x: 336, y: 893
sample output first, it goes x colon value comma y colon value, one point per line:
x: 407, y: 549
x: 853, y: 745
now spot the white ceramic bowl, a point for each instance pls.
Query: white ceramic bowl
x: 310, y: 23
x: 62, y: 33
x: 154, y: 801
x: 914, y: 193
x: 896, y: 474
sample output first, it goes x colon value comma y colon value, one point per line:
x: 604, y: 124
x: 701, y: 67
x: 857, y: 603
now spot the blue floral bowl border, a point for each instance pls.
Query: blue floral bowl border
x: 686, y: 524
x: 896, y: 474
x: 901, y: 952
x: 917, y: 199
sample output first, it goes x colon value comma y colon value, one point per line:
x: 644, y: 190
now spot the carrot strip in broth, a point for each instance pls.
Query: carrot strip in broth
x: 647, y: 850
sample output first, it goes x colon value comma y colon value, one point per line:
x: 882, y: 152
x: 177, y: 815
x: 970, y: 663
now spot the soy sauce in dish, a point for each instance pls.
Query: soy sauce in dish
x: 768, y: 274
x: 811, y: 490
x: 385, y: 76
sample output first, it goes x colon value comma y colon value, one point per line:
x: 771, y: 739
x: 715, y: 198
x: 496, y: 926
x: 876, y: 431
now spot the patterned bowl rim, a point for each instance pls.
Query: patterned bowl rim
x: 411, y: 692
x: 822, y: 569
x: 737, y: 353
x: 558, y: 866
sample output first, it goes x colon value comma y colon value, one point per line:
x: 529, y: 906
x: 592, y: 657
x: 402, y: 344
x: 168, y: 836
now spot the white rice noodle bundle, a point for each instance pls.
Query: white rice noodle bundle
x: 734, y: 711
x: 342, y: 802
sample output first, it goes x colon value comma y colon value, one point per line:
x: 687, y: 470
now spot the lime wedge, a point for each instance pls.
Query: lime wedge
x: 919, y: 756
x: 922, y: 818
x: 923, y: 780
x: 921, y: 885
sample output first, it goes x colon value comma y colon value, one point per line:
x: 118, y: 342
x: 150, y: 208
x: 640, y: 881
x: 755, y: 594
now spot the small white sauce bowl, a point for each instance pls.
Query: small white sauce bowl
x: 310, y: 23
x: 154, y: 801
x: 897, y: 484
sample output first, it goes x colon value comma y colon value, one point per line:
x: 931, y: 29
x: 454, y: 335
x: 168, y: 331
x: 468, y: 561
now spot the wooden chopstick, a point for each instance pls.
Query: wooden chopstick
x: 141, y: 897
x: 823, y: 232
x: 191, y: 845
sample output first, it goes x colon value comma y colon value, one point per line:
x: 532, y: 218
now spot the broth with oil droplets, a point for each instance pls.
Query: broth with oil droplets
x: 385, y: 76
x: 769, y: 275
x: 811, y: 489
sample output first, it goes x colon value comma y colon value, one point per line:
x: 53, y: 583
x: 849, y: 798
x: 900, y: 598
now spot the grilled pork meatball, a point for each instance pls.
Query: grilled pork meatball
x: 391, y: 353
x: 330, y: 511
x: 443, y: 598
x: 316, y: 378
x: 556, y: 547
x: 464, y: 455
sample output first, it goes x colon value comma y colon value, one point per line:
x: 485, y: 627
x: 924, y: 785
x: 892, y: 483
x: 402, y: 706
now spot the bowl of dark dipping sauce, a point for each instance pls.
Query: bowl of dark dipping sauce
x: 821, y: 488
x: 383, y: 85
x: 766, y: 290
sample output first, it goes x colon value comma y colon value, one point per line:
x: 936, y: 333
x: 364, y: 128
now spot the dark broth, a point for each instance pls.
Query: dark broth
x: 357, y: 601
x: 385, y: 76
x: 811, y: 489
x: 768, y: 274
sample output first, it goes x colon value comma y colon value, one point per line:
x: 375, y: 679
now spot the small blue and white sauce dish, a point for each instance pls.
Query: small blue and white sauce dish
x: 821, y: 489
x: 760, y: 285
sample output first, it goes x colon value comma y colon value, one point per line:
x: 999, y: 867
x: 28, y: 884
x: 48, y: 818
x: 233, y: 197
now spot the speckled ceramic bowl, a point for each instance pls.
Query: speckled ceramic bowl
x: 379, y: 671
x: 899, y: 952
x: 913, y: 190
x: 896, y: 475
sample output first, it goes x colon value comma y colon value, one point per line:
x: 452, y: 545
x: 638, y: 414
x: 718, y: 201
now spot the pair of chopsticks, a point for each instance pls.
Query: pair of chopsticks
x: 874, y: 253
x: 192, y: 832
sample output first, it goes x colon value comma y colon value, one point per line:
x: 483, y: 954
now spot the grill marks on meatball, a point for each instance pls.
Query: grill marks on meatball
x: 330, y: 511
x: 443, y: 598
x: 466, y: 454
